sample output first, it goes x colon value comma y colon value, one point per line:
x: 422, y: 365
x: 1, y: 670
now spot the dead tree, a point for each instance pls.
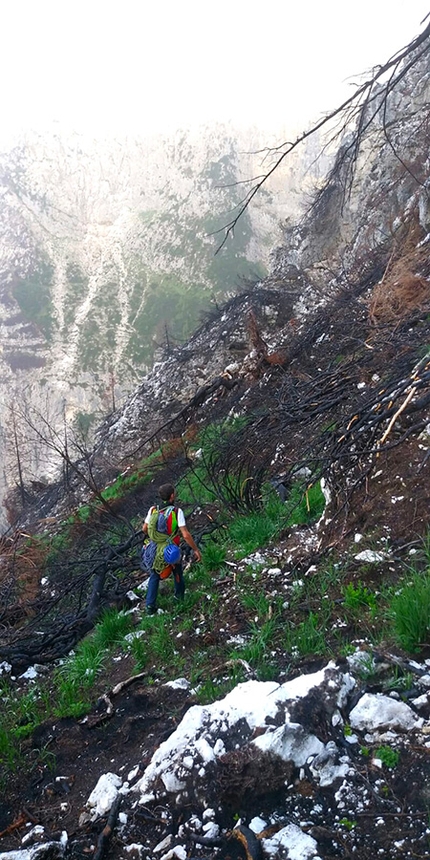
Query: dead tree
x: 18, y: 456
x: 77, y: 461
x: 357, y: 113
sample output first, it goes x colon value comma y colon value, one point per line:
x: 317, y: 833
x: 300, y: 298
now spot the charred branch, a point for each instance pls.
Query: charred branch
x: 359, y: 112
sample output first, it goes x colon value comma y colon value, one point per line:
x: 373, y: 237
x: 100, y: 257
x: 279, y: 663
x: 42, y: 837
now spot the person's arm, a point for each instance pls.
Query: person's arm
x: 146, y: 522
x: 188, y: 538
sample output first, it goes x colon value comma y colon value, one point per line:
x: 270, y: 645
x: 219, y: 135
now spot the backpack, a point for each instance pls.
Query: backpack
x: 162, y: 530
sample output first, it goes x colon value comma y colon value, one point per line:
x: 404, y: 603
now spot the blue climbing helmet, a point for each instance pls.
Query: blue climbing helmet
x: 172, y: 553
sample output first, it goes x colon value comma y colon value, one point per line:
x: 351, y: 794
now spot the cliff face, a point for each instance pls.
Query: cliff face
x: 91, y: 231
x: 106, y: 253
x: 364, y: 241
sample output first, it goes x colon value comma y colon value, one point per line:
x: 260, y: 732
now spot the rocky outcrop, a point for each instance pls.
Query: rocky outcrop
x: 309, y: 764
x: 226, y: 747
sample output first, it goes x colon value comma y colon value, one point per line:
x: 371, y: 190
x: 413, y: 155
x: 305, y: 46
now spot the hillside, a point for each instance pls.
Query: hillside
x: 282, y: 710
x: 106, y: 254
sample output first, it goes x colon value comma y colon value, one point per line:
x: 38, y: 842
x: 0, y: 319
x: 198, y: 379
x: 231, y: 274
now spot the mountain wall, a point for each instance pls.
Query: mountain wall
x: 363, y: 241
x: 107, y: 253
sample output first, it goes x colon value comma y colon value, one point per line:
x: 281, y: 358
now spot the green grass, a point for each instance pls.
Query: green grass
x: 214, y: 555
x: 112, y: 628
x: 196, y: 485
x: 257, y: 603
x: 309, y: 637
x: 70, y: 702
x: 210, y: 689
x: 258, y: 648
x: 10, y: 757
x: 141, y: 476
x: 138, y: 648
x: 158, y: 648
x: 305, y: 504
x: 410, y: 611
x: 83, y: 513
x: 256, y: 529
x: 399, y: 680
x: 21, y: 713
x: 356, y: 597
x: 347, y: 823
x: 74, y: 680
x: 251, y: 532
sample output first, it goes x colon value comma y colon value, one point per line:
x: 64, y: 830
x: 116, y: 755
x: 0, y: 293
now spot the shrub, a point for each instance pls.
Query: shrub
x: 388, y: 756
x: 357, y: 596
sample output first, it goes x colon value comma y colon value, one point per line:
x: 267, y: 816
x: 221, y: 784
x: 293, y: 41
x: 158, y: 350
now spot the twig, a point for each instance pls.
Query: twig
x: 396, y: 414
x: 118, y: 687
x: 19, y: 822
x: 237, y: 661
x: 355, y: 108
x: 107, y: 831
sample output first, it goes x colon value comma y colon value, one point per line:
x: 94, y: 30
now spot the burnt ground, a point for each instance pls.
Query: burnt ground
x: 64, y: 759
x: 326, y: 408
x: 54, y: 795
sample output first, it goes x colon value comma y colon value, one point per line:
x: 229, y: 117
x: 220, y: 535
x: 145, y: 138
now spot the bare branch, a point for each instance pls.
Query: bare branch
x: 352, y: 110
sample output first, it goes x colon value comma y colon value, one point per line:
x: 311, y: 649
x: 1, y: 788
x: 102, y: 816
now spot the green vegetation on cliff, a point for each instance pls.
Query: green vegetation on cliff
x: 33, y: 295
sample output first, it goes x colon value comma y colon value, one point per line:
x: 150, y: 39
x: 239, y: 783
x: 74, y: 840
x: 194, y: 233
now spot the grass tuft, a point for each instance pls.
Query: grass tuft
x: 358, y: 596
x: 410, y: 609
x: 111, y: 629
x: 309, y: 637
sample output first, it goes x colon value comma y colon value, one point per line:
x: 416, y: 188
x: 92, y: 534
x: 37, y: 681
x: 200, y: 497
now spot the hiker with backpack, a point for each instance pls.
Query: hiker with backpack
x: 161, y: 556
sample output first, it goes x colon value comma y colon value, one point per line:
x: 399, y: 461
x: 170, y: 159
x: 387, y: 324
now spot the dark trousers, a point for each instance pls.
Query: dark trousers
x: 154, y: 581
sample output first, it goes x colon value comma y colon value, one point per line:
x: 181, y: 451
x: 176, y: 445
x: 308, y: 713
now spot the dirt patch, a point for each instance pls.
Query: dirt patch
x: 54, y: 794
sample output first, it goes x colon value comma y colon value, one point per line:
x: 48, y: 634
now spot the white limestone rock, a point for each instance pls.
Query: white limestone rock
x: 186, y: 763
x: 103, y: 795
x: 375, y: 712
x: 290, y: 843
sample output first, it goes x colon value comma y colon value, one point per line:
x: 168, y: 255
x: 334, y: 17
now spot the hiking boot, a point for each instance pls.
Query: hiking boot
x: 151, y: 610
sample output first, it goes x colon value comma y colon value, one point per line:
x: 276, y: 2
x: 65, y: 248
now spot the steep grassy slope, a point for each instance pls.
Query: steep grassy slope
x: 295, y: 424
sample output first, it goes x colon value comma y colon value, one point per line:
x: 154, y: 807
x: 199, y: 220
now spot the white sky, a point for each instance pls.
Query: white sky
x: 142, y: 66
